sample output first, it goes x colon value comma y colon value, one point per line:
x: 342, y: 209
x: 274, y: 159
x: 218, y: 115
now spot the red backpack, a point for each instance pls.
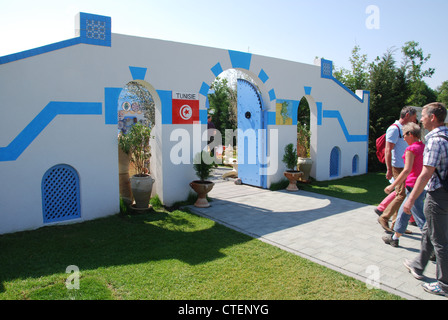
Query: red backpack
x: 381, y: 146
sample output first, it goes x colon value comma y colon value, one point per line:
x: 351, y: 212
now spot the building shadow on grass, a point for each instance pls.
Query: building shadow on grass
x: 114, y: 241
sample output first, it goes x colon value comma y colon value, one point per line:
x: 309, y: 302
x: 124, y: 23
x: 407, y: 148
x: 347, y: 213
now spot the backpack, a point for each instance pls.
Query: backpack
x: 444, y: 182
x: 381, y: 146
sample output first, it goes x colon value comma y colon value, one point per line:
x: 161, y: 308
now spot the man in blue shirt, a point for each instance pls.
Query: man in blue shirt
x: 395, y: 148
x: 435, y: 231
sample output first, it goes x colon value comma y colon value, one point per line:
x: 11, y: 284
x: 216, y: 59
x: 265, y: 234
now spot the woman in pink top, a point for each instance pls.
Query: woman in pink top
x: 413, y: 165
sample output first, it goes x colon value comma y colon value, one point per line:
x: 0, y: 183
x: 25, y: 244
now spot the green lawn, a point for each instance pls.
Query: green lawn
x: 368, y: 188
x: 163, y: 255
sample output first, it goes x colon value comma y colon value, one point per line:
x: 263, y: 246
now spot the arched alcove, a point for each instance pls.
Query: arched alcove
x: 335, y: 162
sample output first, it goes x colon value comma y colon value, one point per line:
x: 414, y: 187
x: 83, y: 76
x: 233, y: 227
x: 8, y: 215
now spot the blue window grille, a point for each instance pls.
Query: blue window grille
x: 60, y: 194
x: 335, y: 158
x: 355, y: 164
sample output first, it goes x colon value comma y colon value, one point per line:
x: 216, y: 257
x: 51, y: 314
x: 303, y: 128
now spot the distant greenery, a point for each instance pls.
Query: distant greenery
x: 391, y: 87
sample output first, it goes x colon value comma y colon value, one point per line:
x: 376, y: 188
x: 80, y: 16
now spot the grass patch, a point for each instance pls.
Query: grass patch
x: 163, y: 255
x: 367, y: 188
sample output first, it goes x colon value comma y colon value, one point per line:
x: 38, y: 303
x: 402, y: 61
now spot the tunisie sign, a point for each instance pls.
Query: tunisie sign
x: 185, y: 108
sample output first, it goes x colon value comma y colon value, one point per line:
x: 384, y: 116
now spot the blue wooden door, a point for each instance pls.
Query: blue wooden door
x: 250, y: 147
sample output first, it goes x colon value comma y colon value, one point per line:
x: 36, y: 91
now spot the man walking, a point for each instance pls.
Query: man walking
x: 435, y: 231
x: 395, y: 148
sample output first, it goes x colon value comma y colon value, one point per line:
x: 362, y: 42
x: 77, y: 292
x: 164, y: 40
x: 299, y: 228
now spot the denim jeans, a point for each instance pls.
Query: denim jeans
x: 417, y: 211
x: 435, y: 236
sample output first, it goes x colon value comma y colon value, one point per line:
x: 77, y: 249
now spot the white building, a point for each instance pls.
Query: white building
x: 59, y: 120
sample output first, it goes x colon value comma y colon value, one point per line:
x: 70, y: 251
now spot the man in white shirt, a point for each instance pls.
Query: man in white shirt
x: 435, y: 170
x: 395, y: 148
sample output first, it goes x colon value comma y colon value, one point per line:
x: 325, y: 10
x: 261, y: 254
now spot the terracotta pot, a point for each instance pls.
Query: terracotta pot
x: 293, y: 177
x: 141, y: 190
x: 305, y: 165
x: 202, y: 188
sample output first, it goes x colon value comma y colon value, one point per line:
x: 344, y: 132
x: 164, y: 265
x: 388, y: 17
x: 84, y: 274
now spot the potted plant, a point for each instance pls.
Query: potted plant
x: 136, y: 144
x: 304, y: 162
x: 202, y: 186
x: 290, y: 160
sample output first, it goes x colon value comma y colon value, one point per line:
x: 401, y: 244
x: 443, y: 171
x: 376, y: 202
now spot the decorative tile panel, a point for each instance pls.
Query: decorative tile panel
x: 94, y: 29
x: 60, y: 194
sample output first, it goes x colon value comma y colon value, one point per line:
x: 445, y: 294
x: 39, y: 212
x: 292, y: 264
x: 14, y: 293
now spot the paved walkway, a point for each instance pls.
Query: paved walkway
x: 339, y: 234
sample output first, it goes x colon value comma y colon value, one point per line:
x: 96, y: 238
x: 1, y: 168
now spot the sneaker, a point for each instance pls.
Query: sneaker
x: 388, y: 240
x: 417, y: 275
x: 378, y: 212
x: 434, y: 288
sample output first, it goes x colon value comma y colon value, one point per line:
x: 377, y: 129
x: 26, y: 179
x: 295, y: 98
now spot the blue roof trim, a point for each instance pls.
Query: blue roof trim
x: 40, y: 50
x: 94, y: 30
x: 326, y: 72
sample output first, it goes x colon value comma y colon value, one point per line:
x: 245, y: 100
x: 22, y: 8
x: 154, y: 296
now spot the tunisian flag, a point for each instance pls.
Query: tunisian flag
x: 185, y: 110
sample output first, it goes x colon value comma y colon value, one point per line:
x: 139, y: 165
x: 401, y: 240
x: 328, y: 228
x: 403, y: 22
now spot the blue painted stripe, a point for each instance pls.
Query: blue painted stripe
x: 167, y: 106
x: 327, y: 73
x: 104, y: 40
x: 204, y: 89
x: 39, y: 50
x: 203, y: 116
x: 272, y: 95
x: 240, y: 59
x: 271, y: 118
x: 217, y: 69
x: 319, y: 113
x: 295, y: 109
x: 347, y: 89
x: 307, y: 90
x: 263, y: 76
x: 111, y: 96
x: 41, y: 121
x: 138, y: 73
x: 337, y: 115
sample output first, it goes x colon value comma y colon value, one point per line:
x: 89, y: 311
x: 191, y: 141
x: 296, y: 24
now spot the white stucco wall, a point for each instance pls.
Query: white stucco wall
x: 81, y: 73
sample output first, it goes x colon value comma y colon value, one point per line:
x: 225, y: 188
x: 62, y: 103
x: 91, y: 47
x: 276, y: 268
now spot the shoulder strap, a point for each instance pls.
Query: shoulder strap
x: 399, y: 130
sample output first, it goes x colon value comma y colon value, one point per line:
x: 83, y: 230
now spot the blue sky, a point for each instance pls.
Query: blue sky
x: 288, y: 29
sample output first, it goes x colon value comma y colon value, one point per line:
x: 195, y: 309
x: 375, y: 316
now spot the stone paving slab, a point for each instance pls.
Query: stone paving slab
x: 339, y: 234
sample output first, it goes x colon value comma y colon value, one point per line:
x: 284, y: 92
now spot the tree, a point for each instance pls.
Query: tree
x: 220, y: 106
x: 413, y: 62
x: 358, y: 77
x: 442, y: 93
x: 388, y: 93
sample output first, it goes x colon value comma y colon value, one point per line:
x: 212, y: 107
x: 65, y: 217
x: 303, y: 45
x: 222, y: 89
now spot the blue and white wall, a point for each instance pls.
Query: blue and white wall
x: 59, y: 119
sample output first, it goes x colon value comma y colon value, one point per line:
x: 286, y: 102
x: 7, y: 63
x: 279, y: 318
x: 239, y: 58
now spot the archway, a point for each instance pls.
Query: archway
x: 303, y: 129
x: 307, y: 124
x: 136, y: 104
x: 238, y: 119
